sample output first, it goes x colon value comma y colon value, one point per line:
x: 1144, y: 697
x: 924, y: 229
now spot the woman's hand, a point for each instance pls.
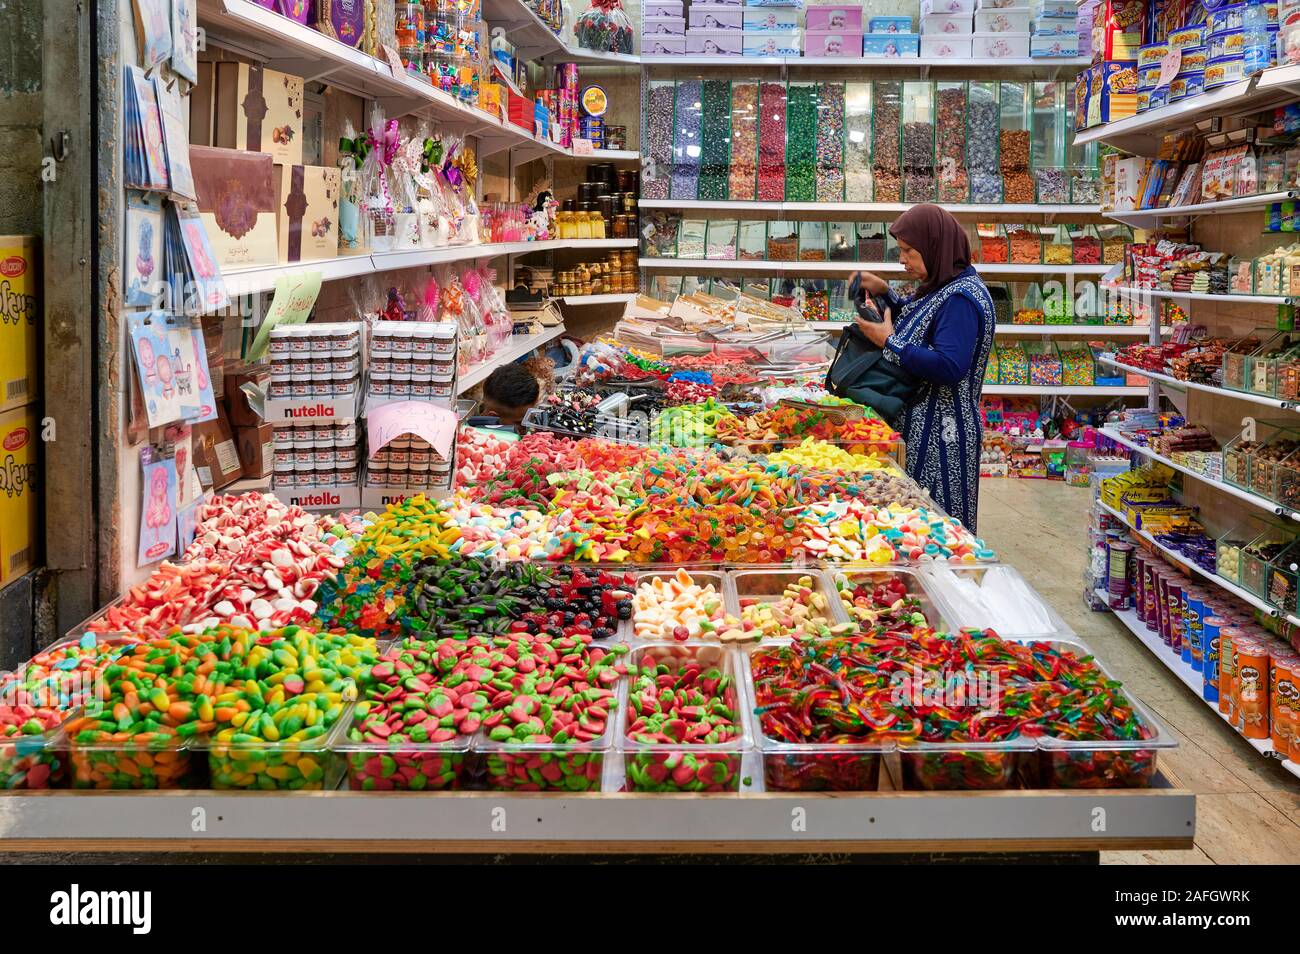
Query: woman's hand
x: 877, y: 331
x: 873, y: 284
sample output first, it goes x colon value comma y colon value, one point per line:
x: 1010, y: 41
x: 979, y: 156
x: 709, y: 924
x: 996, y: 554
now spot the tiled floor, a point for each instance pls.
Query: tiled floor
x: 1247, y: 808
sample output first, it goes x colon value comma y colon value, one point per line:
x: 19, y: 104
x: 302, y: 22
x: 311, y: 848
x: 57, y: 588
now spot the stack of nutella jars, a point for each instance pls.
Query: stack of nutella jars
x: 311, y: 454
x: 315, y: 361
x: 411, y: 361
x: 409, y: 463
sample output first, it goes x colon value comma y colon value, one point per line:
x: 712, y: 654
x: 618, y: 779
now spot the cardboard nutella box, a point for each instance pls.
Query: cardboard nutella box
x: 259, y: 110
x: 215, y: 454
x: 20, y: 321
x: 256, y: 453
x: 19, y: 492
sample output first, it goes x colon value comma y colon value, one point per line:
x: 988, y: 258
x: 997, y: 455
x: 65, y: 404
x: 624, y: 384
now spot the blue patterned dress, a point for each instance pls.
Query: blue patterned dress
x: 933, y: 337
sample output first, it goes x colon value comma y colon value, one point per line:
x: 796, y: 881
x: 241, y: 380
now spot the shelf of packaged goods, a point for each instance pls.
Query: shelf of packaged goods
x: 621, y: 298
x: 250, y: 29
x: 1186, y: 564
x: 1009, y: 390
x: 519, y: 346
x: 1255, y: 500
x: 1128, y: 291
x: 1191, y: 678
x: 1141, y: 133
x: 260, y: 278
x: 1149, y: 218
x: 1195, y: 386
x: 885, y: 209
x: 839, y: 267
x: 1039, y: 67
x: 1097, y: 331
x: 534, y: 40
x: 1160, y: 817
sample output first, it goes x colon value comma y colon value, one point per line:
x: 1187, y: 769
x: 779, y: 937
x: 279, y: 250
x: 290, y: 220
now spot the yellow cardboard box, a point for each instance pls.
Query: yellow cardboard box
x: 19, y: 492
x: 20, y: 319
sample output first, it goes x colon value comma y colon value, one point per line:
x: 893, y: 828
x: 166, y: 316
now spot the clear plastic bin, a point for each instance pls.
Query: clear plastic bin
x: 858, y: 178
x: 307, y: 765
x: 1227, y: 553
x: 1266, y: 362
x: 845, y: 580
x: 1276, y: 451
x: 399, y: 766
x: 1283, y: 577
x: 1258, y: 554
x: 1065, y: 763
x: 702, y: 578
x: 163, y: 762
x: 950, y: 141
x: 813, y: 767
x: 1236, y: 461
x: 722, y: 239
x: 667, y: 767
x: 994, y: 249
x: 546, y: 767
x: 982, y: 125
x: 920, y: 181
x: 33, y: 761
x: 766, y: 587
x: 887, y: 139
x: 958, y: 766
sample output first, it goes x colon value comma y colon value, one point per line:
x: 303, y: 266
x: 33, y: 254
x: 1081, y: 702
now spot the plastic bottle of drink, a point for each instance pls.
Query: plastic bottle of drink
x: 1255, y: 39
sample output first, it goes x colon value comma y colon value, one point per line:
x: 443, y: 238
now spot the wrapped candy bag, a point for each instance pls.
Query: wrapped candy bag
x: 353, y: 229
x: 604, y: 27
x: 382, y: 140
x: 480, y: 283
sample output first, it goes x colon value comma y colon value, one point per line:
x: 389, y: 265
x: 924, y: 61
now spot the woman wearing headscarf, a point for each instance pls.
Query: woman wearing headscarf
x: 942, y: 335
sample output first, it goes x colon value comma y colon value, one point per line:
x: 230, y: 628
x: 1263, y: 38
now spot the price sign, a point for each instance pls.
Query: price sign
x: 394, y: 61
x: 1169, y: 66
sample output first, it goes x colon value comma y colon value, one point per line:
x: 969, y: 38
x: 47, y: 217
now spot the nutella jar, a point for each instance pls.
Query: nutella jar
x: 440, y: 471
x: 402, y: 343
x: 444, y: 369
x: 441, y: 389
x: 377, y: 474
x: 300, y: 390
x: 346, y: 455
x: 380, y: 365
x: 345, y: 344
x: 345, y: 477
x: 282, y: 455
x: 397, y: 474
x: 419, y: 475
x: 422, y: 342
x: 421, y: 455
x: 343, y: 385
x: 401, y: 383
x: 282, y: 435
x: 323, y: 458
x: 345, y: 431
x: 322, y: 435
x: 444, y: 338
x: 306, y: 472
x: 299, y: 342
x: 325, y: 478
x: 300, y: 368
x: 279, y: 347
x: 280, y: 386
x: 286, y: 479
x: 319, y: 340
x: 302, y: 456
x: 382, y: 456
x: 399, y: 455
x: 381, y: 384
x: 422, y: 369
x: 421, y: 390
x: 304, y: 437
x: 320, y: 363
x: 381, y: 343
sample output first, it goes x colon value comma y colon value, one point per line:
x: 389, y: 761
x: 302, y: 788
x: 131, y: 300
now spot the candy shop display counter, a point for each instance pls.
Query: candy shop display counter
x: 1079, y: 821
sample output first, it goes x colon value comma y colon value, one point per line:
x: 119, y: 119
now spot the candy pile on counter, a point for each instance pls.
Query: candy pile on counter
x: 856, y: 698
x: 802, y: 611
x: 880, y: 601
x: 690, y: 425
x: 254, y: 560
x: 819, y: 455
x: 776, y: 426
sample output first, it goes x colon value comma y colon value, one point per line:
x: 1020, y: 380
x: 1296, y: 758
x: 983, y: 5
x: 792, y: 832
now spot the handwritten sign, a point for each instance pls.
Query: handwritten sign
x: 581, y: 147
x: 1169, y: 66
x: 423, y: 419
x: 294, y: 297
x: 394, y: 61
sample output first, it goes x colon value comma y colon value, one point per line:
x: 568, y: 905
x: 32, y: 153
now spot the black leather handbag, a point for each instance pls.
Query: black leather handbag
x: 860, y: 372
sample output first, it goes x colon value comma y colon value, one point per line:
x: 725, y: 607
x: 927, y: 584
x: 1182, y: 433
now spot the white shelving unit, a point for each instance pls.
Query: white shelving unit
x: 883, y: 268
x: 855, y: 209
x: 619, y: 298
x: 1253, y: 499
x: 1096, y: 331
x: 246, y: 281
x: 519, y: 346
x: 1180, y: 385
x: 1182, y: 561
x: 1139, y: 293
x: 1189, y: 677
x: 1040, y: 67
x: 1149, y: 218
x: 533, y: 39
x: 1048, y: 390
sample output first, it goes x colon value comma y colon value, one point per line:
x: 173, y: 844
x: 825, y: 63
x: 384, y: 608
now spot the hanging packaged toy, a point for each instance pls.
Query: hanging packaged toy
x: 383, y: 140
x: 402, y: 172
x: 604, y: 27
x: 353, y: 229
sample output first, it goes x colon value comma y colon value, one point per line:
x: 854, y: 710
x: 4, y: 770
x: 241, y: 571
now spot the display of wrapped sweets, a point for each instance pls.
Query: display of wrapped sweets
x: 604, y: 27
x: 802, y: 135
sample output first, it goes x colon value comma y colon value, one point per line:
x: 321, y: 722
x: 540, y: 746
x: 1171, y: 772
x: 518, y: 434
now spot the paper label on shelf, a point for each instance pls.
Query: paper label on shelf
x: 1170, y: 63
x: 394, y: 61
x: 425, y: 420
x: 581, y: 147
x: 294, y: 297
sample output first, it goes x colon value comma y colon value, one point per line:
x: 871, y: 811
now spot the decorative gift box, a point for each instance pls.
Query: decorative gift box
x: 259, y: 110
x: 662, y: 8
x: 713, y: 16
x: 714, y: 42
x: 663, y: 26
x: 946, y: 46
x: 663, y: 46
x: 237, y: 203
x: 891, y: 44
x: 835, y: 19
x: 771, y: 20
x: 948, y: 7
x: 765, y: 43
x: 344, y: 20
x: 1000, y: 45
x: 1054, y: 45
x: 832, y: 43
x: 942, y: 23
x: 889, y: 25
x: 307, y: 212
x: 1002, y: 21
